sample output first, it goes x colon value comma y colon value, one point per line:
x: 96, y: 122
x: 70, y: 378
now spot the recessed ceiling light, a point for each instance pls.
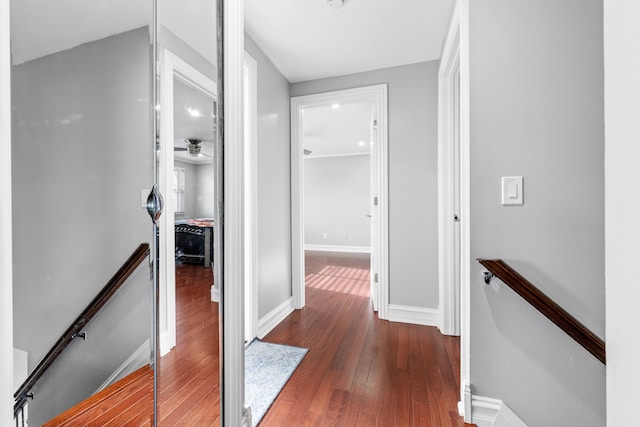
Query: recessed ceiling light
x: 361, y: 143
x: 335, y: 4
x: 335, y: 106
x: 194, y: 113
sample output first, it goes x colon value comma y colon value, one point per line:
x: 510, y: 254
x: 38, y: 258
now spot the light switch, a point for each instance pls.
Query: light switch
x: 512, y: 190
x: 144, y: 193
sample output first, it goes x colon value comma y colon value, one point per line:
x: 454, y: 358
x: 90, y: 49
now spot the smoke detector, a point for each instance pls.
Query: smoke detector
x: 335, y: 4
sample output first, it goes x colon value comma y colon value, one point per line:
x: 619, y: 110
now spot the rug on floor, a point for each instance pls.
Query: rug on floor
x: 267, y: 369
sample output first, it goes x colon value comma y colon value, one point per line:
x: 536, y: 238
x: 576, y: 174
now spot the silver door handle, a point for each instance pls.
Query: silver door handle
x: 154, y: 204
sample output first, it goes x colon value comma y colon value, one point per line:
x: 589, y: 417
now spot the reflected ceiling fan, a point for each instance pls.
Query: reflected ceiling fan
x: 193, y: 147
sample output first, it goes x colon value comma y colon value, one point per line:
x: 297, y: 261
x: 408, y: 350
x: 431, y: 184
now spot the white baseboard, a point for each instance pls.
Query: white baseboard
x: 413, y: 315
x: 20, y: 373
x: 488, y: 412
x: 215, y: 294
x: 277, y: 315
x: 338, y: 248
x: 139, y: 358
x: 165, y: 345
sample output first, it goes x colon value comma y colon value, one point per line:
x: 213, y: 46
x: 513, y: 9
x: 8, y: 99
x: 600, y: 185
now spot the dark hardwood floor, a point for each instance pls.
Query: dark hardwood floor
x: 189, y: 375
x: 361, y: 371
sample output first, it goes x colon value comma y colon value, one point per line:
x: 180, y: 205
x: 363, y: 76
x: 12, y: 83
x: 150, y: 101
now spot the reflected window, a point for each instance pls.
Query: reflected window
x: 179, y: 190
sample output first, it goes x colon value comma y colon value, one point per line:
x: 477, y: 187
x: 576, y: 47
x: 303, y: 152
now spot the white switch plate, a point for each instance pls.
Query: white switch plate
x: 144, y: 193
x: 512, y: 190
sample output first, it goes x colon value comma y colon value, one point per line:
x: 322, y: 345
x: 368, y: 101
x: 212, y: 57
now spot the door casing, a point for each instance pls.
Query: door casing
x: 173, y: 67
x: 377, y: 95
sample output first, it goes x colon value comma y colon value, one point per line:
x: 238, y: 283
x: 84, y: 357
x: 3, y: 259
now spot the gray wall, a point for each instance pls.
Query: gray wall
x: 413, y: 197
x: 274, y: 183
x: 537, y: 111
x: 191, y: 190
x: 336, y: 200
x: 81, y: 153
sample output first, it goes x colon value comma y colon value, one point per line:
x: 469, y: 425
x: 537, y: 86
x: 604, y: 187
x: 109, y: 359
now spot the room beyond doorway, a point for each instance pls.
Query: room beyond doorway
x: 359, y: 222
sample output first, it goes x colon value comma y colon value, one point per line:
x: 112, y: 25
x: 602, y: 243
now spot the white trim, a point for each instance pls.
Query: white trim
x: 273, y: 318
x: 378, y: 96
x: 172, y: 67
x: 138, y: 359
x: 165, y: 343
x: 462, y: 13
x: 232, y: 291
x: 251, y: 200
x: 215, y: 293
x: 507, y: 418
x: 488, y: 412
x: 20, y: 373
x: 339, y: 248
x: 413, y: 315
x: 449, y: 304
x: 6, y: 260
x: 325, y: 156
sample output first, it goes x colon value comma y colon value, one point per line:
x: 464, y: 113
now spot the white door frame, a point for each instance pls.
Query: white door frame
x: 232, y: 292
x: 6, y: 260
x: 449, y: 322
x: 172, y: 67
x: 454, y: 311
x: 455, y: 58
x: 251, y: 196
x: 378, y: 96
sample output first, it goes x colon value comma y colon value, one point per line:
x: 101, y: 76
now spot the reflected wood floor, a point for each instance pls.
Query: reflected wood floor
x: 189, y: 375
x: 361, y: 371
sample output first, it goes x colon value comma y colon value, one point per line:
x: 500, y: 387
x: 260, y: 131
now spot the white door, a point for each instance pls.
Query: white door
x: 373, y: 211
x: 457, y: 273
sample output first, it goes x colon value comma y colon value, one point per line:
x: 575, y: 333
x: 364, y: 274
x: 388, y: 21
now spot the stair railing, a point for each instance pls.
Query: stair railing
x: 23, y: 394
x: 545, y: 305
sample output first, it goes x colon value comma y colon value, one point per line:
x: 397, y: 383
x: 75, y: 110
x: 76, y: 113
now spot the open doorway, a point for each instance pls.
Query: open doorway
x: 337, y: 144
x: 187, y: 179
x: 339, y: 183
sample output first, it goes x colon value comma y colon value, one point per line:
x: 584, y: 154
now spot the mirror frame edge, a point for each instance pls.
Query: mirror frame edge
x: 6, y: 259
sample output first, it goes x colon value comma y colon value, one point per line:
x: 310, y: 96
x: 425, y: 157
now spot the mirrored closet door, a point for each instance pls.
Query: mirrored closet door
x: 115, y: 247
x: 188, y: 382
x: 83, y: 241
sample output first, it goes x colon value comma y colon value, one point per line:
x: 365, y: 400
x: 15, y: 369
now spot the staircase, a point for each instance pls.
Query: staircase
x: 128, y: 401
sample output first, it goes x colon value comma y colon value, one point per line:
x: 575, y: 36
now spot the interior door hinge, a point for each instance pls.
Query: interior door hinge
x: 375, y: 124
x: 375, y: 201
x: 150, y: 267
x: 375, y: 278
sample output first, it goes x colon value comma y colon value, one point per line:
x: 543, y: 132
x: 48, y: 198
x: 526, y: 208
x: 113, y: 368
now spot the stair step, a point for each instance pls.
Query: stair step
x: 124, y: 399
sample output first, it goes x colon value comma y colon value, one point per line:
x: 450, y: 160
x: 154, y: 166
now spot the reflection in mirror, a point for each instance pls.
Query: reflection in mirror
x: 188, y: 389
x: 82, y: 153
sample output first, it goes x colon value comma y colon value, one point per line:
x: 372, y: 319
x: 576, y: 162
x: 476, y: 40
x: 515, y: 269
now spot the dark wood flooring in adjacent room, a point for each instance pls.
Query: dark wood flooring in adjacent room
x: 361, y: 371
x: 189, y: 385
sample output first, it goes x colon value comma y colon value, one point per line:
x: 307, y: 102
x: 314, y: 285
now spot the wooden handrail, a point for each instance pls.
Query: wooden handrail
x: 81, y: 321
x: 545, y: 305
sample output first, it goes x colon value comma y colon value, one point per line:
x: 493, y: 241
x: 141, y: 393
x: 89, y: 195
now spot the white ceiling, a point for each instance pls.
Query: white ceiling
x: 43, y: 27
x: 187, y: 100
x: 331, y: 131
x: 307, y: 40
x: 40, y: 28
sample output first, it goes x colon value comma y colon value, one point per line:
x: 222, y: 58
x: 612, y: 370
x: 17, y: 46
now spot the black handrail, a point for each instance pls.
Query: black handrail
x: 130, y: 265
x: 545, y: 305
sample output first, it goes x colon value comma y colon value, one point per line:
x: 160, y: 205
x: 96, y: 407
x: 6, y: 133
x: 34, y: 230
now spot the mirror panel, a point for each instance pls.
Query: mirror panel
x: 188, y: 388
x: 82, y: 162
